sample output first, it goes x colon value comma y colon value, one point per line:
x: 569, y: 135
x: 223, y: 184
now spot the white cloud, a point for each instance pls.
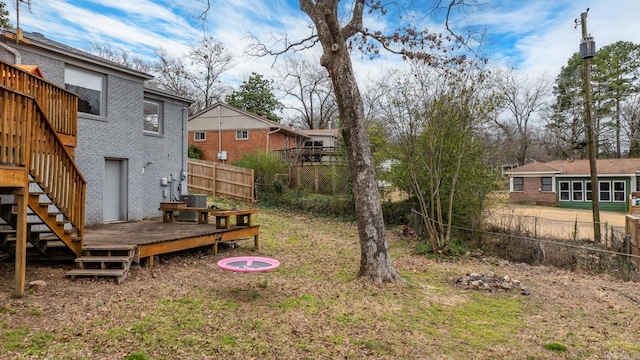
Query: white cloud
x: 539, y: 34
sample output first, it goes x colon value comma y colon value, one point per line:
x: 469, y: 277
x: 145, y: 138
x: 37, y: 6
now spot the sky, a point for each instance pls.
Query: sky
x: 535, y: 37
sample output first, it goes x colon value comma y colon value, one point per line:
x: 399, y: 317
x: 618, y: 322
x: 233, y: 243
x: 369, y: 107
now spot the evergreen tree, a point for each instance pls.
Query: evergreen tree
x: 256, y: 96
x: 615, y: 75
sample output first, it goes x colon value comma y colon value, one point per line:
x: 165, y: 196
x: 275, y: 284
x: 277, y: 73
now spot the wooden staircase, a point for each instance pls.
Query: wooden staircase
x: 42, y: 192
x: 106, y: 261
x: 48, y: 230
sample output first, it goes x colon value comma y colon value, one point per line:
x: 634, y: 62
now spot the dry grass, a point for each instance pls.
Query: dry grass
x: 313, y: 307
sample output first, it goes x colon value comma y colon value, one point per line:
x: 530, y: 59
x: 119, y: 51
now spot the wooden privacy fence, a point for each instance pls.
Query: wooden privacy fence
x: 221, y: 180
x: 633, y: 230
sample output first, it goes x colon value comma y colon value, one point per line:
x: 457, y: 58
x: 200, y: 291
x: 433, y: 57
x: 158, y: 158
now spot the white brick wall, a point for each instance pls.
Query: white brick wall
x: 119, y: 135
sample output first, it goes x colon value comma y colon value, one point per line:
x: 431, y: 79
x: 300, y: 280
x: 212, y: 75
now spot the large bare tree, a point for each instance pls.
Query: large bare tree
x: 522, y: 100
x: 314, y: 106
x: 209, y: 60
x: 121, y: 56
x: 375, y: 260
x: 340, y: 32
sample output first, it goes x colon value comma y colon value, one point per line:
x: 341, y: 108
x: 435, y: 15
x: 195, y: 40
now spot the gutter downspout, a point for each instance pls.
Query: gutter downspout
x: 16, y: 54
x: 182, y: 188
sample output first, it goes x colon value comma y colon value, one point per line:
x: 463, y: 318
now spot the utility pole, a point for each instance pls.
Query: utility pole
x: 587, y: 51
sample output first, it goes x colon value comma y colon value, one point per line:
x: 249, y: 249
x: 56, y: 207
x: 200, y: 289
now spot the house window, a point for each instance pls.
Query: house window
x: 242, y: 134
x: 588, y: 194
x: 619, y: 193
x: 152, y: 117
x: 90, y: 90
x: 547, y: 184
x: 564, y: 191
x: 518, y: 184
x: 313, y: 143
x: 576, y: 191
x: 605, y: 190
x: 199, y: 136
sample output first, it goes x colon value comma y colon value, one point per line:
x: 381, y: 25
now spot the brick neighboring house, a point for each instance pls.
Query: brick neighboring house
x: 567, y: 183
x: 224, y: 133
x: 130, y: 137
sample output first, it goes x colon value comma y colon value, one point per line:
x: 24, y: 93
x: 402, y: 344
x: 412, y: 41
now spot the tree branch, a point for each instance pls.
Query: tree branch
x: 260, y: 49
x: 355, y: 25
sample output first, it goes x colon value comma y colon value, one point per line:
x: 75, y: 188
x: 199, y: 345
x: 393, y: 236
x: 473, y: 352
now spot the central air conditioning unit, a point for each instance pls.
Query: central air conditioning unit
x: 194, y: 201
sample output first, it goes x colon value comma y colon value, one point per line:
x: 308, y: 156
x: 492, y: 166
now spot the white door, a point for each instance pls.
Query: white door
x: 115, y: 189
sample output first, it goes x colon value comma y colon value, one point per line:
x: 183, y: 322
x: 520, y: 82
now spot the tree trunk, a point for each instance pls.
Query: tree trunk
x: 375, y: 260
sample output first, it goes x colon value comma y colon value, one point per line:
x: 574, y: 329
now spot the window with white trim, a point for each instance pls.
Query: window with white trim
x: 588, y: 194
x: 152, y: 116
x: 518, y: 184
x: 605, y: 190
x: 242, y: 134
x: 199, y: 136
x: 577, y: 191
x: 90, y: 90
x: 619, y: 193
x: 547, y: 183
x: 565, y: 194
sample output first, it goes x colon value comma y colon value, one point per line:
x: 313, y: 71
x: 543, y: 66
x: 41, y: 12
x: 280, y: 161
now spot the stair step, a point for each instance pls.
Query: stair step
x: 119, y: 274
x: 129, y: 251
x: 114, y: 259
x: 109, y: 247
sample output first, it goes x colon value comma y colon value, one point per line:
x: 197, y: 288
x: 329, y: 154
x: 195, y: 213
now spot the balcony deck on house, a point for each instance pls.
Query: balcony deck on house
x: 310, y: 154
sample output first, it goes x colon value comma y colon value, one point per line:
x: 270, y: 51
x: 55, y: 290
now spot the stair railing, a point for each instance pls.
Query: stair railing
x: 29, y: 140
x: 59, y: 105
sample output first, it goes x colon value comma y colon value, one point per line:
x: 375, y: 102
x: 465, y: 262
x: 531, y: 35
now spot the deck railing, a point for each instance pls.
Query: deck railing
x: 310, y: 154
x: 29, y: 140
x: 58, y: 105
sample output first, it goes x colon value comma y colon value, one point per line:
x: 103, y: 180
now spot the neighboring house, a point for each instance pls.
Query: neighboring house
x: 567, y: 183
x: 224, y: 133
x: 131, y: 139
x: 321, y: 146
x: 327, y: 138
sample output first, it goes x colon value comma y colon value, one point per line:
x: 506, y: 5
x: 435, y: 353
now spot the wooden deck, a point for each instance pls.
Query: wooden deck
x: 157, y: 237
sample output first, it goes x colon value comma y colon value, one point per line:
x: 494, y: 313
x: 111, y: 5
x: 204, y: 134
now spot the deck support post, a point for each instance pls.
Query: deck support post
x: 21, y: 244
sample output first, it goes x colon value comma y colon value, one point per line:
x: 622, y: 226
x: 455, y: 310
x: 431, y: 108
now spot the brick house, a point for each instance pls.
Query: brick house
x: 567, y: 183
x: 224, y: 133
x: 130, y: 137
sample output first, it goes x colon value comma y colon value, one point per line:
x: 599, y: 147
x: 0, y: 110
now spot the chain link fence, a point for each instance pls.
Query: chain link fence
x: 540, y: 227
x: 525, y: 240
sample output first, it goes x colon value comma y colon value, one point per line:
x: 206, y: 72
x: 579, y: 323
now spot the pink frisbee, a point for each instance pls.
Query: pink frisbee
x: 248, y: 264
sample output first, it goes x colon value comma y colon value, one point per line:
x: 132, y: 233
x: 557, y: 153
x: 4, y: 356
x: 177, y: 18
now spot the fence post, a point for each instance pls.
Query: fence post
x: 627, y: 247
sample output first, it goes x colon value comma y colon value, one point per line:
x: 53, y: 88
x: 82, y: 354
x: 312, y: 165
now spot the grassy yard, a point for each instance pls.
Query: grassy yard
x: 313, y: 307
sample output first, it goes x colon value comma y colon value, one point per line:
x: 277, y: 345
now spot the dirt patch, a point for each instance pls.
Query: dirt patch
x: 560, y: 214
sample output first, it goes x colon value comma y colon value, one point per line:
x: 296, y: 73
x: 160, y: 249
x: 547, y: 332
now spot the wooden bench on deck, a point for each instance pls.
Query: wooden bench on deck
x: 223, y: 216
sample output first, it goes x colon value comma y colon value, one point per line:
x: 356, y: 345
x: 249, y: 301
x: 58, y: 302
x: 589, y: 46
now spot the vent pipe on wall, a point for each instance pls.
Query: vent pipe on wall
x: 16, y: 54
